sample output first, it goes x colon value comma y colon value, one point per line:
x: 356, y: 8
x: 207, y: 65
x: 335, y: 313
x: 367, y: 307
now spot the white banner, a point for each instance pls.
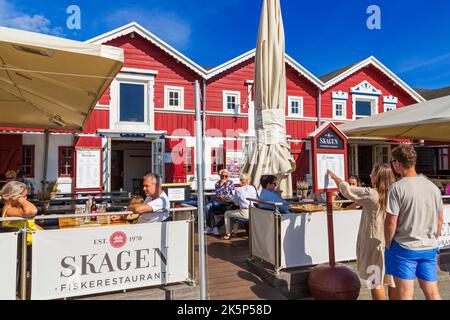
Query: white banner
x: 77, y: 262
x: 444, y: 239
x: 8, y: 265
x: 305, y: 241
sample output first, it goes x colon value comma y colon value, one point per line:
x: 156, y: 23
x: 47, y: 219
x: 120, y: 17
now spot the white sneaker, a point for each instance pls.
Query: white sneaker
x: 209, y: 230
x: 216, y: 231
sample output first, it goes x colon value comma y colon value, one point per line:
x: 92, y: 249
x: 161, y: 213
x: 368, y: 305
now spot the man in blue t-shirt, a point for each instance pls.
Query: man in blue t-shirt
x: 271, y: 193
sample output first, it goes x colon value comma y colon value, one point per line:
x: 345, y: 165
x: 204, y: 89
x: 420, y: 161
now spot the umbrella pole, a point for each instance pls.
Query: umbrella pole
x: 200, y: 192
x: 331, y: 252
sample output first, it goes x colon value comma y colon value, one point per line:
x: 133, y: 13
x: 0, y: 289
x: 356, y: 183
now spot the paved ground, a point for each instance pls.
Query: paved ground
x: 444, y: 282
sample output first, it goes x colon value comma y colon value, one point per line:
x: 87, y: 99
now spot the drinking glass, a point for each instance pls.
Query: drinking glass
x: 79, y: 210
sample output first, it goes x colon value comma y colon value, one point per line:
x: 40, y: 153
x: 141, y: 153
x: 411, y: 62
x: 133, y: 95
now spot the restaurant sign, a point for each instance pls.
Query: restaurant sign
x: 8, y: 265
x: 329, y: 147
x: 329, y: 139
x: 76, y: 262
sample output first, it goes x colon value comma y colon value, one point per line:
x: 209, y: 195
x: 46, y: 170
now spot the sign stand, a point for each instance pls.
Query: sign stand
x: 331, y: 281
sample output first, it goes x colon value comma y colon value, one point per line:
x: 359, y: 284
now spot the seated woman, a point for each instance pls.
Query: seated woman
x: 14, y: 195
x: 240, y: 199
x: 271, y: 193
x: 353, y: 181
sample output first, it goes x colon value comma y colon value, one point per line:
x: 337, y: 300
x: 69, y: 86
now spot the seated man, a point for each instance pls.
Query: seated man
x: 155, y: 207
x: 271, y: 193
x: 224, y: 202
x: 21, y: 177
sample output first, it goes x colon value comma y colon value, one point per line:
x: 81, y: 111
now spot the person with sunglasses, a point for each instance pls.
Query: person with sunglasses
x: 271, y: 193
x: 224, y: 201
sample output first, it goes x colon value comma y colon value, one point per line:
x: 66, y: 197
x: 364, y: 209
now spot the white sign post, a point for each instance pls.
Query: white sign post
x: 88, y: 169
x: 78, y: 262
x: 8, y: 265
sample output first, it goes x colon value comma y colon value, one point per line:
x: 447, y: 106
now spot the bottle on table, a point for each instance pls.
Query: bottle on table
x: 94, y: 209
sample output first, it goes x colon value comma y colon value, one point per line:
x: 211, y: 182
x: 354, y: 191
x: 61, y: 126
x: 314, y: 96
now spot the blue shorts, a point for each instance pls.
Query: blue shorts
x: 411, y: 264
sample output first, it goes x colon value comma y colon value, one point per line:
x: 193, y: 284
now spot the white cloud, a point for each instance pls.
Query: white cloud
x: 166, y: 25
x: 12, y: 17
x: 422, y: 63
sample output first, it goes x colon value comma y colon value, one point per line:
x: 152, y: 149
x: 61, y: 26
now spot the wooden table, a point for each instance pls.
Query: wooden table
x: 94, y: 224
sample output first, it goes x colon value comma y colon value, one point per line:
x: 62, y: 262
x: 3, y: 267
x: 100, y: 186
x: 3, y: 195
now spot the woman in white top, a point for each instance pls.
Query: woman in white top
x: 240, y: 199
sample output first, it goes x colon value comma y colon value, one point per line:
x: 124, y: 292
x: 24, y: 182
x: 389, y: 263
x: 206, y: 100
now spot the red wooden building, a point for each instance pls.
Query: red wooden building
x: 145, y: 121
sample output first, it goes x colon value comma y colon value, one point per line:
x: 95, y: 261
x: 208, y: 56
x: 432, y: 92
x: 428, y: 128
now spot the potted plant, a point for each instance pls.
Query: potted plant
x: 52, y: 189
x: 44, y: 198
x: 302, y: 189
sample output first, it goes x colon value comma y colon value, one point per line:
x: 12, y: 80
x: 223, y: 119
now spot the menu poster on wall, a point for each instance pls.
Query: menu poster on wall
x: 88, y: 169
x: 234, y: 161
x: 333, y: 162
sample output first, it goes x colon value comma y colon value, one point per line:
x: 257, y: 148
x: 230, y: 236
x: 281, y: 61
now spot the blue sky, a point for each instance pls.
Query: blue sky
x: 323, y: 35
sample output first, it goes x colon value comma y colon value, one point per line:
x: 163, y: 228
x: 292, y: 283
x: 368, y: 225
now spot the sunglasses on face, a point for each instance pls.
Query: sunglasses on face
x: 223, y: 176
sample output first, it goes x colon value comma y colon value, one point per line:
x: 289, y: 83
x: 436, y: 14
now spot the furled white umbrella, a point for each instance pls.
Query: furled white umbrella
x: 52, y: 83
x: 429, y: 120
x: 271, y: 154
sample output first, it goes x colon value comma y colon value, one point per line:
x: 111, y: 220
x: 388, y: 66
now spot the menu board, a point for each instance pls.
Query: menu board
x: 88, y: 169
x: 234, y: 160
x: 333, y: 162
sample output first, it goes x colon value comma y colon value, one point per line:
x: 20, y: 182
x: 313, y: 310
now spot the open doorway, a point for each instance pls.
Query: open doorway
x: 365, y: 163
x: 130, y: 161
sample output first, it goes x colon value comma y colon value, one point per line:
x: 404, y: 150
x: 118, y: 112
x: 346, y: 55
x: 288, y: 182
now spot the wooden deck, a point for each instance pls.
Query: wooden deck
x: 228, y: 277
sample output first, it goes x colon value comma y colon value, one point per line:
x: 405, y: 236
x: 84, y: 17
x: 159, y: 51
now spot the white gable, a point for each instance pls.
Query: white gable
x: 365, y: 88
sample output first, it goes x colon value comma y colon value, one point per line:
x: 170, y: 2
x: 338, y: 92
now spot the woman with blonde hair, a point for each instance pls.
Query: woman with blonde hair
x: 370, y: 244
x: 15, y: 204
x: 240, y: 197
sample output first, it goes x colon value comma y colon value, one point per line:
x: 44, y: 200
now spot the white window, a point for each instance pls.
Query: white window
x: 339, y: 109
x: 389, y: 107
x: 295, y: 105
x: 389, y: 103
x: 174, y: 98
x: 132, y: 102
x: 231, y: 101
x: 364, y: 106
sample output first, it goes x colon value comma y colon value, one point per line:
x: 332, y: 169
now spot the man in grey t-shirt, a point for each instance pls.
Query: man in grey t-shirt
x: 414, y: 215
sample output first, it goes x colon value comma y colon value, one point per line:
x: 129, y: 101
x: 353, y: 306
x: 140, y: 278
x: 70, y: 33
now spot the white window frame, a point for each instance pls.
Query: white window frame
x: 390, y: 106
x: 149, y: 118
x: 167, y: 90
x: 372, y: 99
x: 344, y: 109
x: 300, y: 107
x: 226, y: 94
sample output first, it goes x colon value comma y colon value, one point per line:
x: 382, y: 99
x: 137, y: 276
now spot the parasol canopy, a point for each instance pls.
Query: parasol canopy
x: 429, y: 120
x: 52, y: 83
